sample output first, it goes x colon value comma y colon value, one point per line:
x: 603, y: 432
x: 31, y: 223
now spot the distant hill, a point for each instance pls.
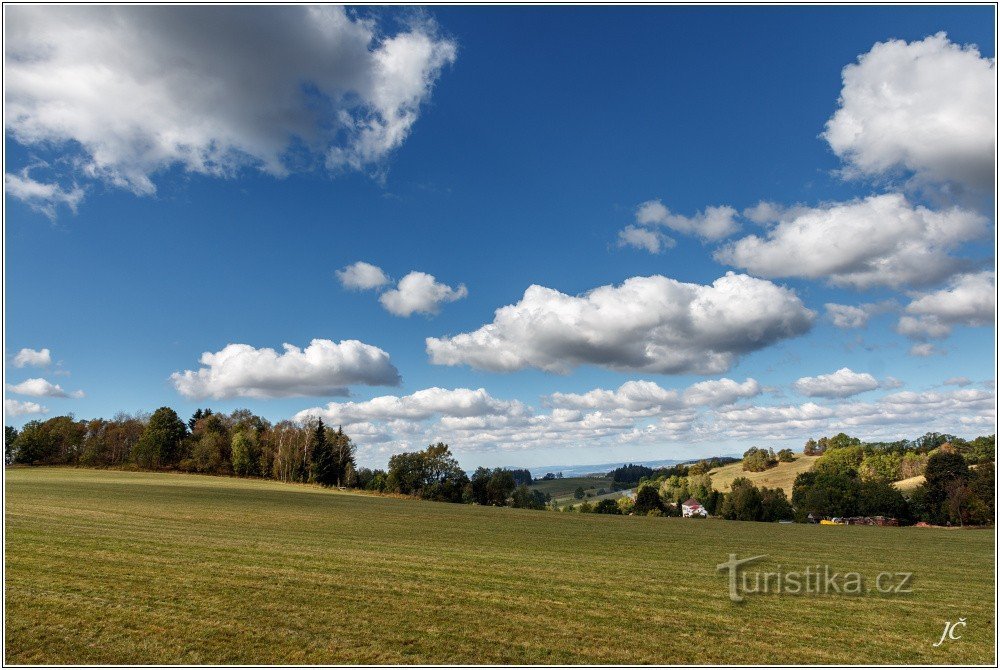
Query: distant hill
x: 780, y: 476
x: 603, y: 468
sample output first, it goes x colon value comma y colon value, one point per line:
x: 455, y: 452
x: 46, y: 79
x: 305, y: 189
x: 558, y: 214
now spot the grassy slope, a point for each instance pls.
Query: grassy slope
x: 909, y: 484
x: 781, y: 476
x: 562, y: 490
x: 114, y: 567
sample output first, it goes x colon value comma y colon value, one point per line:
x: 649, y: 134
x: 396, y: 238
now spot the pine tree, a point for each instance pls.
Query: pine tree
x: 323, y: 468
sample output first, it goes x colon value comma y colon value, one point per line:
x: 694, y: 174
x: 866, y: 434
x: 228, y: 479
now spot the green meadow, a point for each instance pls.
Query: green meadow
x: 123, y: 567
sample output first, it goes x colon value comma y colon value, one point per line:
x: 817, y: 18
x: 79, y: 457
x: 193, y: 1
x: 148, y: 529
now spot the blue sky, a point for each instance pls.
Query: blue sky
x: 531, y: 138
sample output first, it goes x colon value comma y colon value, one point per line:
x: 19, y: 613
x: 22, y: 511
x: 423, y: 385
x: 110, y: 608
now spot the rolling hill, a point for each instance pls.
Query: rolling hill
x: 780, y: 476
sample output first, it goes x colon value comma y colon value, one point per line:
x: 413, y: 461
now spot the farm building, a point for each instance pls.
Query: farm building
x: 692, y: 507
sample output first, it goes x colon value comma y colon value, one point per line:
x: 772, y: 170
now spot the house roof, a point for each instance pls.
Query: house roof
x: 691, y: 502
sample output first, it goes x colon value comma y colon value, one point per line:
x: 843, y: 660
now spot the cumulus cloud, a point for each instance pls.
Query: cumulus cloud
x: 632, y: 396
x: 323, y: 368
x: 720, y: 392
x: 926, y: 108
x: 362, y: 276
x: 13, y: 408
x: 652, y: 241
x: 969, y: 300
x: 882, y: 240
x: 647, y: 324
x: 856, y: 316
x: 126, y: 92
x: 892, y: 415
x: 41, y: 388
x: 714, y: 223
x: 638, y: 412
x: 460, y: 403
x: 840, y: 384
x: 42, y: 197
x: 38, y: 359
x: 422, y: 293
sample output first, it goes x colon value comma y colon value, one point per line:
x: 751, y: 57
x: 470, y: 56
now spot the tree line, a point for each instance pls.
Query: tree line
x: 243, y: 444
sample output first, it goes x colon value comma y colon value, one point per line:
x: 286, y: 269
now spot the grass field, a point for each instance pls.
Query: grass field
x: 780, y: 476
x: 116, y: 567
x: 562, y: 490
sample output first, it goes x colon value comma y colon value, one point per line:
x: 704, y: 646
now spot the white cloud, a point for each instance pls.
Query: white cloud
x: 856, y: 316
x: 925, y: 349
x: 418, y: 406
x: 652, y: 241
x: 422, y: 293
x: 964, y: 411
x: 322, y: 368
x: 840, y: 384
x: 13, y: 408
x: 969, y: 300
x: 647, y: 324
x: 41, y: 197
x: 882, y: 240
x: 926, y: 107
x: 640, y: 412
x: 632, y: 396
x: 131, y: 91
x: 957, y: 381
x: 720, y: 392
x: 41, y: 388
x: 714, y: 223
x: 362, y: 276
x: 39, y: 359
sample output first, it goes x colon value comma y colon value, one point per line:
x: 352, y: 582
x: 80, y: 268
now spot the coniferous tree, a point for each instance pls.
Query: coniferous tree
x: 323, y: 468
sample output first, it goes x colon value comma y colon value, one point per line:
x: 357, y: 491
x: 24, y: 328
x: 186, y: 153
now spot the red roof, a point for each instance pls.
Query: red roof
x: 691, y: 502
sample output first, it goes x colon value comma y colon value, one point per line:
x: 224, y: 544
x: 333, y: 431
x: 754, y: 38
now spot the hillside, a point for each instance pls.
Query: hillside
x: 780, y: 476
x: 562, y: 490
x: 125, y: 568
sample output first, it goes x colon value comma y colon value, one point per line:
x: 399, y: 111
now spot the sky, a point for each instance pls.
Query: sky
x: 539, y: 234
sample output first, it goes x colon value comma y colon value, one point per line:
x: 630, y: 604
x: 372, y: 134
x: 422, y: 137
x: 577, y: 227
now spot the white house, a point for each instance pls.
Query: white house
x: 692, y: 507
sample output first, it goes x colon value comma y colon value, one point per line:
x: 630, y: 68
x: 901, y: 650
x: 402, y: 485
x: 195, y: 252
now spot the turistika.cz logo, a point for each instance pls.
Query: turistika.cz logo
x: 814, y: 580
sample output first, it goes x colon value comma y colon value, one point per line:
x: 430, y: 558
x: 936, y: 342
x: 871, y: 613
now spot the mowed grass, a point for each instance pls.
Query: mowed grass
x: 125, y: 568
x: 780, y: 476
x: 565, y: 487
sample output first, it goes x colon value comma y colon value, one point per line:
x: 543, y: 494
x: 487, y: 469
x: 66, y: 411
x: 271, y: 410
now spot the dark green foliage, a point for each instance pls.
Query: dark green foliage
x: 9, y: 450
x: 322, y: 465
x: 983, y: 449
x: 521, y: 477
x: 786, y: 456
x: 160, y: 444
x: 630, y: 474
x: 491, y: 487
x: 648, y: 499
x: 774, y: 505
x: 433, y: 474
x: 743, y: 502
x: 525, y: 498
x: 945, y: 496
x: 607, y: 506
x: 758, y: 460
x: 578, y: 493
x: 712, y: 501
x: 833, y: 492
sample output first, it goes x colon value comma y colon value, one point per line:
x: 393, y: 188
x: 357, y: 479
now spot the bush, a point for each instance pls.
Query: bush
x: 758, y: 460
x: 648, y: 499
x: 607, y: 506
